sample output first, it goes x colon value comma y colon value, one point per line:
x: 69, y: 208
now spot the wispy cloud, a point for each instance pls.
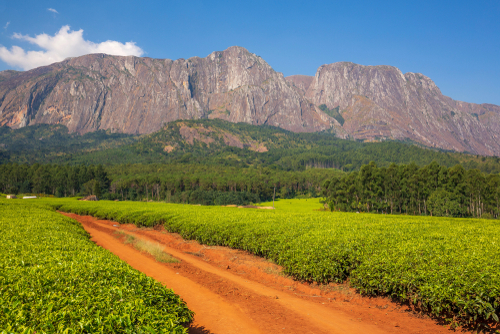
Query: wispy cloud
x: 6, y: 25
x: 65, y: 43
x: 52, y: 10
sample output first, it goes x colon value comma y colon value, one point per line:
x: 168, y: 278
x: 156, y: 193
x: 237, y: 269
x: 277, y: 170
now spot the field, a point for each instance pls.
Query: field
x: 295, y: 205
x: 53, y: 279
x: 448, y: 267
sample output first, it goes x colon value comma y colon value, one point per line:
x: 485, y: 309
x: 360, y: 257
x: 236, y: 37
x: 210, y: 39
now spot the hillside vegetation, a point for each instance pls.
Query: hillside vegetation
x: 177, y: 183
x: 53, y: 143
x: 217, y: 142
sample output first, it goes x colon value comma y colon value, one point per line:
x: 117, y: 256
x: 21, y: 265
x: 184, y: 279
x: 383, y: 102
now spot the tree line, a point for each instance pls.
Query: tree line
x: 57, y: 180
x: 407, y: 189
x: 397, y: 189
x: 176, y: 183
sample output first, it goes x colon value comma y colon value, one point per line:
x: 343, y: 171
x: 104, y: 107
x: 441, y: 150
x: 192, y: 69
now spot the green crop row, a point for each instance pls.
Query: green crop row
x: 53, y: 279
x: 449, y: 267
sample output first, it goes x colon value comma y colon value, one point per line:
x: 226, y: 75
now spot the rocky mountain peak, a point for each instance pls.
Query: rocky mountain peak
x: 139, y: 94
x: 380, y: 102
x: 4, y: 75
x: 420, y: 80
x: 348, y: 80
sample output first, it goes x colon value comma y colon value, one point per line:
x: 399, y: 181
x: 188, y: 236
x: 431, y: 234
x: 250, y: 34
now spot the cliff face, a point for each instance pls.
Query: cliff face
x: 302, y: 82
x: 4, y: 75
x: 139, y: 95
x: 380, y: 102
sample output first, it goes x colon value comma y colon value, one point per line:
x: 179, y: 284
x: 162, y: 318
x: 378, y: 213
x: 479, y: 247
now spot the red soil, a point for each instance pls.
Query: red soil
x: 232, y: 291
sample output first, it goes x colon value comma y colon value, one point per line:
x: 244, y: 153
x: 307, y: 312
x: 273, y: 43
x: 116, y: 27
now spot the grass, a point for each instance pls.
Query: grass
x: 151, y: 248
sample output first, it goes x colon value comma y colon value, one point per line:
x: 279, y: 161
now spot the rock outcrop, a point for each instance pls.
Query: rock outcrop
x: 380, y: 102
x: 302, y: 82
x: 139, y: 95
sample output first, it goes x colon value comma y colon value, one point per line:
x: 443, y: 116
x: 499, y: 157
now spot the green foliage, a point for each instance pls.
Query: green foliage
x: 286, y: 150
x: 432, y: 189
x: 52, y: 143
x: 333, y: 113
x: 53, y: 179
x: 442, y: 203
x: 97, y: 189
x: 298, y: 205
x: 448, y: 267
x: 53, y: 279
x: 211, y: 197
x: 168, y: 166
x: 179, y: 183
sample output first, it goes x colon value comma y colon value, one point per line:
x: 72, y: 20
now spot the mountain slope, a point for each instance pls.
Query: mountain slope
x: 45, y: 143
x: 380, y: 102
x: 140, y: 95
x: 302, y: 82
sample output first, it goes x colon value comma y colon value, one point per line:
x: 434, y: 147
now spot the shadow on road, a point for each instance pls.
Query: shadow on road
x: 193, y: 329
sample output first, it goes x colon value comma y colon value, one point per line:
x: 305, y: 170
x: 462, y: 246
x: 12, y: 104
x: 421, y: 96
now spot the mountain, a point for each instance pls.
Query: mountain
x: 140, y: 95
x: 380, y: 102
x: 136, y: 95
x: 4, y: 75
x: 302, y: 82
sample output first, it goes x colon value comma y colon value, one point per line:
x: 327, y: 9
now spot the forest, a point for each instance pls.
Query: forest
x: 407, y: 189
x: 229, y: 144
x: 398, y: 189
x: 175, y: 183
x: 214, y: 162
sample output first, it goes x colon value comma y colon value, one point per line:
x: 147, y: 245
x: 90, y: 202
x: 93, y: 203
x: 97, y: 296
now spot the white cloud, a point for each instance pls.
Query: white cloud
x: 6, y: 25
x: 65, y: 43
x: 52, y: 10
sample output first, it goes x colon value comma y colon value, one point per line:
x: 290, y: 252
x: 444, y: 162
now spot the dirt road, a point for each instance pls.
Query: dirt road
x: 232, y: 291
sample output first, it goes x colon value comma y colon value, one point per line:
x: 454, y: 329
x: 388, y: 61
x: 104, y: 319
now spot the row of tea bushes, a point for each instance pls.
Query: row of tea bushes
x: 53, y: 279
x: 449, y: 267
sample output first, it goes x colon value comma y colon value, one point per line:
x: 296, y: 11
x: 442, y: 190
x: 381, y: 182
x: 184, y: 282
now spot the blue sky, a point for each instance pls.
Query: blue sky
x: 455, y: 43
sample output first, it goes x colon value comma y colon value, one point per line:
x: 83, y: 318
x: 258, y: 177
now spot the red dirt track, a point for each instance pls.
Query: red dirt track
x: 232, y: 291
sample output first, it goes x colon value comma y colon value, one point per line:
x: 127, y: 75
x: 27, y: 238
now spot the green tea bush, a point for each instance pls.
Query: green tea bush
x: 447, y: 266
x: 53, y: 279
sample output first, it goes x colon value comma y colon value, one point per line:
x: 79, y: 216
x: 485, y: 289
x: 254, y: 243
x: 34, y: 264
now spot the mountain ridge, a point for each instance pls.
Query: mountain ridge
x: 138, y: 95
x: 380, y: 102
